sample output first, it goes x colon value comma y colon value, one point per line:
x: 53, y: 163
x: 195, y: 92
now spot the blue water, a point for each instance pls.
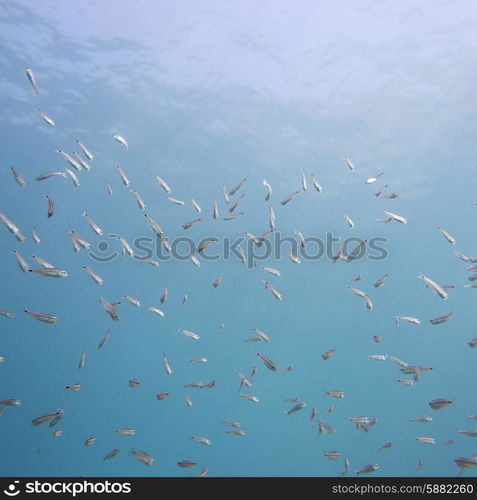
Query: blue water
x: 208, y: 93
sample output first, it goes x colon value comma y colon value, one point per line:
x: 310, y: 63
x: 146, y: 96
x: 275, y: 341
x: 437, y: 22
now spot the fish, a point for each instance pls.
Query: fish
x: 188, y: 401
x: 231, y: 423
x: 271, y: 219
x: 139, y: 200
x: 20, y: 180
x: 204, y: 472
x: 233, y: 216
x: 199, y: 384
x: 45, y: 417
x: 215, y: 212
x: 196, y: 206
x: 198, y: 360
x: 269, y: 190
x: 461, y: 256
x: 194, y: 260
x: 163, y: 184
x: 472, y: 343
x: 303, y: 180
x: 126, y: 246
x: 314, y: 412
x: 133, y: 382
x: 176, y: 201
x: 372, y: 180
x: 237, y: 187
x: 425, y: 440
x: 316, y: 184
x: 249, y: 397
x: 32, y: 80
x: 217, y: 282
x: 390, y: 196
x: 6, y: 314
x: 73, y: 387
x: 205, y: 243
x: 262, y: 335
x: 162, y: 395
x: 332, y: 455
x: 378, y: 193
x: 377, y: 338
x: 236, y: 204
x: 293, y: 257
x: 10, y: 402
x: 189, y: 334
x: 270, y: 270
x: 349, y: 163
x: 48, y: 175
x: 434, y: 286
x: 184, y: 300
x: 273, y: 290
x: 447, y: 236
x: 368, y: 469
x: 45, y: 318
x: 125, y: 432
x: 302, y: 238
x: 440, y: 319
x: 73, y: 177
x: 191, y: 223
x: 186, y: 463
x: 164, y: 295
x: 132, y: 300
x: 368, y: 303
x: 81, y: 161
x: 50, y: 272
x: 155, y: 226
x: 58, y: 433
x: 268, y: 362
x: 346, y: 467
x: 13, y: 228
x: 405, y: 381
x: 103, y: 340
x: 109, y: 188
x: 465, y: 463
x: 122, y: 175
x: 69, y: 159
x: 156, y: 311
x: 82, y: 360
x: 226, y: 194
x: 360, y: 293
x: 93, y: 275
x: 378, y: 357
x: 111, y: 454
x: 22, y: 263
x: 51, y: 206
x: 386, y: 446
x: 335, y: 394
x: 327, y: 355
x: 409, y: 319
x: 289, y: 198
x: 167, y: 366
x: 201, y: 440
x: 356, y: 252
x: 297, y: 407
x: 470, y: 433
x: 348, y: 221
x: 395, y: 217
x: 121, y: 140
x: 421, y: 419
x: 110, y: 309
x: 380, y: 281
x: 437, y: 404
x: 44, y: 117
x: 89, y: 441
x: 85, y: 150
x: 236, y: 432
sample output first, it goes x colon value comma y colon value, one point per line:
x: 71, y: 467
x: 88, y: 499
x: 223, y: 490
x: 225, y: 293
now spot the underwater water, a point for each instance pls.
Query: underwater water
x: 207, y: 94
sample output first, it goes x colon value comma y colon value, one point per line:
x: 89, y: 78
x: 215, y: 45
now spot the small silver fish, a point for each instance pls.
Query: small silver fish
x: 85, y: 150
x: 103, y: 340
x: 163, y: 184
x: 32, y: 80
x: 51, y: 206
x: 110, y: 309
x: 269, y: 189
x: 20, y: 181
x: 121, y: 140
x: 22, y: 263
x: 45, y: 318
x: 297, y: 407
x: 268, y: 362
x: 93, y: 275
x: 44, y: 117
x: 289, y: 198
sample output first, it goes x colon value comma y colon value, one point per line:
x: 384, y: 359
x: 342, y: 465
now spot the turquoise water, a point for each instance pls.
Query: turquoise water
x: 208, y: 93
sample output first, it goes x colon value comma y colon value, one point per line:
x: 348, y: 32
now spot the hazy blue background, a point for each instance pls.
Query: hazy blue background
x: 208, y: 93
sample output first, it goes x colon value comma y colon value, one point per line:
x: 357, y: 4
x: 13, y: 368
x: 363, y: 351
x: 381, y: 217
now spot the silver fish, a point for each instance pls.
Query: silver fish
x: 316, y: 184
x: 303, y: 180
x: 125, y: 431
x: 196, y: 206
x: 123, y: 176
x: 236, y: 204
x: 167, y: 366
x: 163, y: 184
x: 93, y: 275
x: 45, y: 417
x: 42, y: 262
x: 395, y: 217
x: 271, y: 219
x: 269, y: 189
x: 13, y: 228
x: 73, y: 387
x: 110, y: 309
x: 69, y: 159
x: 111, y: 454
x: 217, y: 282
x: 85, y: 150
x: 215, y: 212
x: 48, y: 175
x: 289, y: 198
x: 297, y: 407
x: 439, y: 403
x: 32, y: 80
x: 249, y: 397
x: 154, y: 226
x: 73, y: 177
x: 191, y: 223
x: 262, y: 335
x: 226, y: 194
x: 273, y: 290
x: 176, y: 201
x: 447, y: 236
x: 22, y: 263
x: 103, y: 340
x: 7, y: 314
x: 109, y: 188
x: 270, y: 270
x: 441, y: 319
x: 425, y: 440
x: 302, y: 238
x: 327, y: 355
x: 45, y: 318
x: 126, y: 246
x: 121, y: 140
x: 90, y: 441
x: 189, y: 334
x: 348, y: 220
x: 132, y: 300
x: 293, y: 257
x: 409, y: 319
x: 237, y: 187
x: 332, y: 455
x: 44, y: 117
x: 368, y: 469
x: 202, y: 440
x: 188, y: 401
x: 349, y: 163
x: 82, y: 162
x: 20, y: 181
x: 378, y: 193
x: 51, y: 206
x: 380, y: 281
x: 10, y: 402
x: 233, y: 216
x: 421, y: 419
x: 50, y: 272
x: 139, y: 200
x: 372, y: 180
x: 268, y: 362
x: 156, y: 311
x: 432, y: 284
